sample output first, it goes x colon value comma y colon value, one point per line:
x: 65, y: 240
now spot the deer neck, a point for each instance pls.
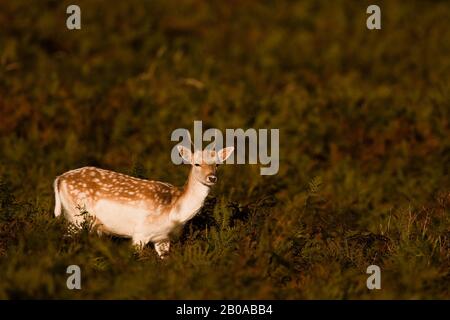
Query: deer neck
x: 191, y: 200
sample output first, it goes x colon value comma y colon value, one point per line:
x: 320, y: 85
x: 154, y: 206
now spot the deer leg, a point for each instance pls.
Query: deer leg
x: 99, y: 227
x: 139, y: 243
x: 162, y: 248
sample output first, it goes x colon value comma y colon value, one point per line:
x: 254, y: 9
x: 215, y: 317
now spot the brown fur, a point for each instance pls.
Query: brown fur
x: 92, y: 184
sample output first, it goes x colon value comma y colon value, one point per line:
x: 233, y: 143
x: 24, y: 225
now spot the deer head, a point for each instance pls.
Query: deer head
x: 204, y: 163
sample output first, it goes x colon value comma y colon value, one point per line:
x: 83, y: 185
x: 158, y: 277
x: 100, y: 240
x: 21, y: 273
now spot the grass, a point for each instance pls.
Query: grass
x: 364, y: 145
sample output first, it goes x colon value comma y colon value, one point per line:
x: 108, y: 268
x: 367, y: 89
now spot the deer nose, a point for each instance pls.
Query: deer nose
x: 211, y: 179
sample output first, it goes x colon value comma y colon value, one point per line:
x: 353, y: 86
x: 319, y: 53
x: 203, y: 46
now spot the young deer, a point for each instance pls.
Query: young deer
x: 143, y: 210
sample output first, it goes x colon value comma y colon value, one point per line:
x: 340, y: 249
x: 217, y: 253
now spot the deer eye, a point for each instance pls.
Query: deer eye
x: 197, y: 165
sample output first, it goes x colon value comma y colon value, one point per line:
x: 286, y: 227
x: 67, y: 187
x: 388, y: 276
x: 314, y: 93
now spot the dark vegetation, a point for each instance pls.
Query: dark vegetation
x: 364, y: 138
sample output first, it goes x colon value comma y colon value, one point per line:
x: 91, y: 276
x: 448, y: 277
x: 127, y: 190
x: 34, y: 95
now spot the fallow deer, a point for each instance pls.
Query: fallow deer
x: 143, y: 210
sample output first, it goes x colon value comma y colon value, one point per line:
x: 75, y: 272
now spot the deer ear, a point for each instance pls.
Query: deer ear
x: 224, y: 153
x: 185, y: 153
